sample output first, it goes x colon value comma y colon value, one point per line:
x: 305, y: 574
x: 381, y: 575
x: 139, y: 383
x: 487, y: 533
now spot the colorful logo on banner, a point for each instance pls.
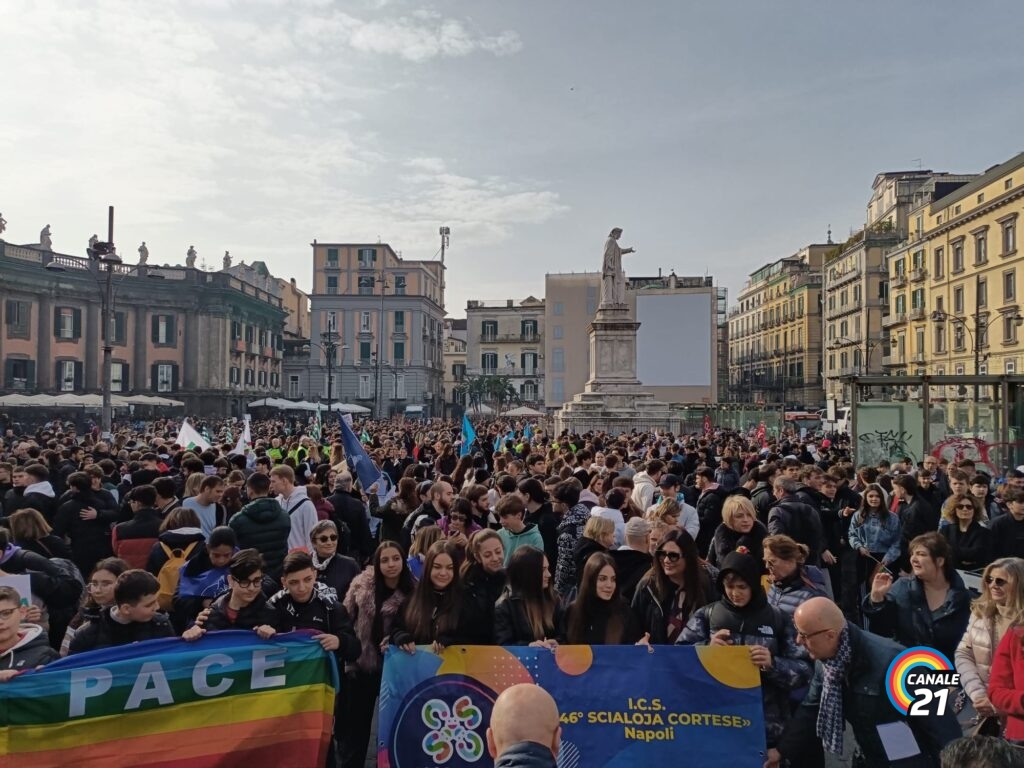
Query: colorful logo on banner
x: 919, y: 680
x: 619, y: 705
x: 229, y: 699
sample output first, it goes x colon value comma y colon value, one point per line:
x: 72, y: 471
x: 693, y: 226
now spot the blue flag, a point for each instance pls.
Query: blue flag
x: 497, y: 443
x: 527, y: 432
x: 362, y: 465
x: 468, y: 436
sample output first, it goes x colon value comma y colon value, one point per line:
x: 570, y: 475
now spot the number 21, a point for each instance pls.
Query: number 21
x: 924, y: 696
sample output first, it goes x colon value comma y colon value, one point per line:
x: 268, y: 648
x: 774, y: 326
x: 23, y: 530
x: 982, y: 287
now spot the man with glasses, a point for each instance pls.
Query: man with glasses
x: 849, y: 687
x: 22, y: 646
x: 244, y: 606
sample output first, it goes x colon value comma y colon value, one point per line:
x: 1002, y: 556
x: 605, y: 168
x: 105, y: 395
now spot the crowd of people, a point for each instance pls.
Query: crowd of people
x: 824, y: 569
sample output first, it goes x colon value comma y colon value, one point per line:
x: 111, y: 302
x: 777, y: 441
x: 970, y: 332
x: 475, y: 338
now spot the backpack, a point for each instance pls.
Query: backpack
x: 170, y: 572
x: 72, y: 583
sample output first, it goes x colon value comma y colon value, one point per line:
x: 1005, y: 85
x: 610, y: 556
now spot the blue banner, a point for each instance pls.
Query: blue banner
x: 468, y: 436
x: 620, y: 706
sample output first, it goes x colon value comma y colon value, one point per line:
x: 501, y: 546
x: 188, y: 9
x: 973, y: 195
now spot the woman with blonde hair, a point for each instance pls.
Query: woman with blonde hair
x: 739, y: 529
x: 598, y: 536
x: 999, y: 608
x: 192, y: 484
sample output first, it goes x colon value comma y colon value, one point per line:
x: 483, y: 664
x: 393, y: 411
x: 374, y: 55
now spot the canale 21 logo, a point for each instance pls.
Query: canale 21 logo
x: 919, y: 682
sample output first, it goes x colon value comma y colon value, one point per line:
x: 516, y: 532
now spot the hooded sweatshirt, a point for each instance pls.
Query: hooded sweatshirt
x: 528, y: 537
x: 30, y: 651
x: 303, y: 517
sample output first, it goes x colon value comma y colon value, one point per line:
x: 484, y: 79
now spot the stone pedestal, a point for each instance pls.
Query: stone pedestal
x: 612, y: 399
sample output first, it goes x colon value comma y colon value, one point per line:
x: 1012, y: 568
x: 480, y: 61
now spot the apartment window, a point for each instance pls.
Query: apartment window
x: 18, y: 318
x: 528, y: 328
x: 558, y: 360
x: 528, y: 361
x: 365, y: 353
x: 982, y: 332
x: 66, y: 375
x: 293, y: 386
x: 235, y: 375
x: 364, y: 386
x: 958, y: 300
x: 489, y: 362
x: 918, y: 259
x: 1008, y: 184
x: 261, y: 379
x: 459, y: 371
x: 366, y: 286
x: 275, y: 379
x: 1009, y: 236
x: 982, y: 297
x: 399, y: 285
x: 940, y: 338
x: 119, y: 377
x: 958, y: 256
x: 919, y: 340
x: 529, y: 392
x: 364, y: 322
x: 958, y: 337
x: 332, y: 285
x: 400, y: 321
x: 332, y: 257
x: 981, y: 198
x: 917, y: 299
x: 367, y: 257
x: 956, y: 210
x: 67, y: 323
x: 162, y: 331
x: 262, y: 338
x: 164, y: 377
x: 19, y: 374
x: 983, y: 369
x: 939, y: 263
x: 981, y: 248
x: 399, y: 383
x: 399, y: 353
x: 250, y: 334
x: 1010, y: 366
x: 901, y: 304
x: 489, y: 330
x: 1010, y: 285
x: 558, y: 389
x: 591, y: 300
x: 557, y: 331
x: 558, y: 309
x: 1009, y: 328
x: 250, y: 377
x: 901, y: 266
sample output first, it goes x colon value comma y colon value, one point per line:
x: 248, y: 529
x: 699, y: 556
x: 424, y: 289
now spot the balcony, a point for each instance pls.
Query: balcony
x: 918, y: 313
x: 895, y: 318
x: 893, y: 359
x: 899, y: 280
x: 511, y: 338
x: 918, y: 275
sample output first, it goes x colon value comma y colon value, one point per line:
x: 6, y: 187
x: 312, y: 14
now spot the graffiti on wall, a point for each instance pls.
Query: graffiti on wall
x: 888, y: 445
x: 991, y: 458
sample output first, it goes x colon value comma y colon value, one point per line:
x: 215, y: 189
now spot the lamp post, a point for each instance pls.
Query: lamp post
x: 328, y: 345
x: 105, y: 254
x: 382, y: 281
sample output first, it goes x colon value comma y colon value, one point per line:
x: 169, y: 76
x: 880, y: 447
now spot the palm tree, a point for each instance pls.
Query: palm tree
x: 502, y: 391
x: 476, y: 390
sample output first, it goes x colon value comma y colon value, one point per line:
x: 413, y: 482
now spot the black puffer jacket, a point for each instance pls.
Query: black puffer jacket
x: 263, y: 524
x: 480, y: 591
x: 512, y: 625
x: 727, y: 541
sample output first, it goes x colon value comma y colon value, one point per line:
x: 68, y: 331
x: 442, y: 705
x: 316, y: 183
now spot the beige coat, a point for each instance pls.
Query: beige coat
x: 973, y: 658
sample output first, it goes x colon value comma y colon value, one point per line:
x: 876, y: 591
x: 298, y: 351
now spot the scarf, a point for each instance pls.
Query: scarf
x: 830, y: 712
x: 8, y: 553
x: 320, y: 566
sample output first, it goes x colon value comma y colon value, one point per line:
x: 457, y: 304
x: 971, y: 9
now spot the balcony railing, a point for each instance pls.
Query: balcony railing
x: 515, y: 338
x: 918, y: 313
x: 895, y: 318
x: 918, y: 274
x: 898, y: 280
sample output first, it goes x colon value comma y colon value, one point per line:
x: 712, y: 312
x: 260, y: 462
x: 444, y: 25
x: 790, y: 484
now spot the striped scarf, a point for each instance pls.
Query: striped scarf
x: 831, y: 723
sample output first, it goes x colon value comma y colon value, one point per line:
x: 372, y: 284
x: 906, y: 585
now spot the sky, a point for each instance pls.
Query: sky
x: 719, y: 136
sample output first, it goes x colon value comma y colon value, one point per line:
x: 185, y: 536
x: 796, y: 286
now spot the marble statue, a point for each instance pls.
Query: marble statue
x: 3, y: 223
x: 143, y: 253
x: 227, y: 259
x: 45, y: 240
x: 93, y: 240
x: 613, y: 279
x: 190, y: 256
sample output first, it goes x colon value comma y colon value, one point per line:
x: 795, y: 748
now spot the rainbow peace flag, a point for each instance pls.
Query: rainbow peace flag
x: 229, y: 699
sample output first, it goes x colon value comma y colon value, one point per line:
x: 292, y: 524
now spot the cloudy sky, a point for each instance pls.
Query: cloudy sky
x: 721, y: 136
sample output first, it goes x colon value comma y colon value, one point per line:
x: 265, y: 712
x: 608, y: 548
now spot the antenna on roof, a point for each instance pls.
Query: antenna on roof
x: 918, y: 161
x: 829, y: 240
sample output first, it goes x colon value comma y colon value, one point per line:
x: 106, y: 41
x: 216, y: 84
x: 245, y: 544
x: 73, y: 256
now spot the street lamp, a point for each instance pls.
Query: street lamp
x: 328, y: 345
x: 869, y: 347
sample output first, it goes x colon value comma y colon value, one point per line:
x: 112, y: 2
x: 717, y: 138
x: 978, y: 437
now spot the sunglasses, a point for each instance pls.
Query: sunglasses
x: 672, y: 557
x: 325, y: 539
x: 996, y: 580
x: 965, y: 506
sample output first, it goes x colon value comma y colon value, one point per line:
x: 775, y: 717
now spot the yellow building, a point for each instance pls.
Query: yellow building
x: 954, y: 307
x: 455, y: 331
x: 775, y: 333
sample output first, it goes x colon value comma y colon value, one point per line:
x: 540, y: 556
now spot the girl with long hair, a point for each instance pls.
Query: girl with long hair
x: 483, y: 581
x: 374, y: 601
x: 528, y: 613
x: 392, y: 515
x: 875, y: 534
x: 431, y: 616
x: 599, y: 615
x: 998, y: 609
x: 677, y: 584
x: 464, y: 466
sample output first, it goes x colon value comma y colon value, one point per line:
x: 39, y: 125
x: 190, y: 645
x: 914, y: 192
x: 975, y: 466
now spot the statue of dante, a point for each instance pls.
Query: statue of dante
x: 613, y: 279
x: 190, y: 256
x: 143, y: 253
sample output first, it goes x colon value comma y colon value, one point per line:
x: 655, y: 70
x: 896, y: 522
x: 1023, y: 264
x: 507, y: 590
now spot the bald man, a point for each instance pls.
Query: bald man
x: 857, y: 662
x: 524, y: 730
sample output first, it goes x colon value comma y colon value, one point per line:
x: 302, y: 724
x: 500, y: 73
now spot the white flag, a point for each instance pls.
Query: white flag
x: 189, y: 439
x: 244, y: 442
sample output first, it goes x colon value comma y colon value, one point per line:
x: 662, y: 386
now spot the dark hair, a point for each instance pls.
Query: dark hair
x: 258, y: 483
x: 534, y: 489
x: 907, y: 483
x: 980, y: 752
x: 937, y: 546
x: 506, y: 484
x: 295, y: 562
x: 115, y: 566
x: 881, y: 510
x: 694, y: 583
x: 406, y: 585
x: 525, y: 574
x: 80, y: 481
x: 588, y: 604
x: 180, y: 517
x: 209, y: 482
x: 509, y: 505
x: 245, y: 563
x: 133, y: 585
x: 222, y: 536
x: 144, y: 494
x: 568, y: 492
x: 164, y: 487
x: 430, y: 613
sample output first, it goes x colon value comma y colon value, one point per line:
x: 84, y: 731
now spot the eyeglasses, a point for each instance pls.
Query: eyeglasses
x: 996, y: 581
x: 6, y: 613
x: 100, y: 584
x: 672, y: 557
x: 325, y: 539
x: 805, y: 636
x: 250, y: 584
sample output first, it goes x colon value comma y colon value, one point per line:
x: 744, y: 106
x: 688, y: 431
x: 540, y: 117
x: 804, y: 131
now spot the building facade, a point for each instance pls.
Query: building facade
x: 684, y: 314
x: 856, y: 279
x: 775, y: 349
x: 506, y: 338
x: 954, y: 302
x: 210, y: 339
x: 384, y: 317
x: 455, y: 334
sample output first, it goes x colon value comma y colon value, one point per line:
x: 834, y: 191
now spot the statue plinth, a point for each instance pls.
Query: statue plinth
x: 612, y: 399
